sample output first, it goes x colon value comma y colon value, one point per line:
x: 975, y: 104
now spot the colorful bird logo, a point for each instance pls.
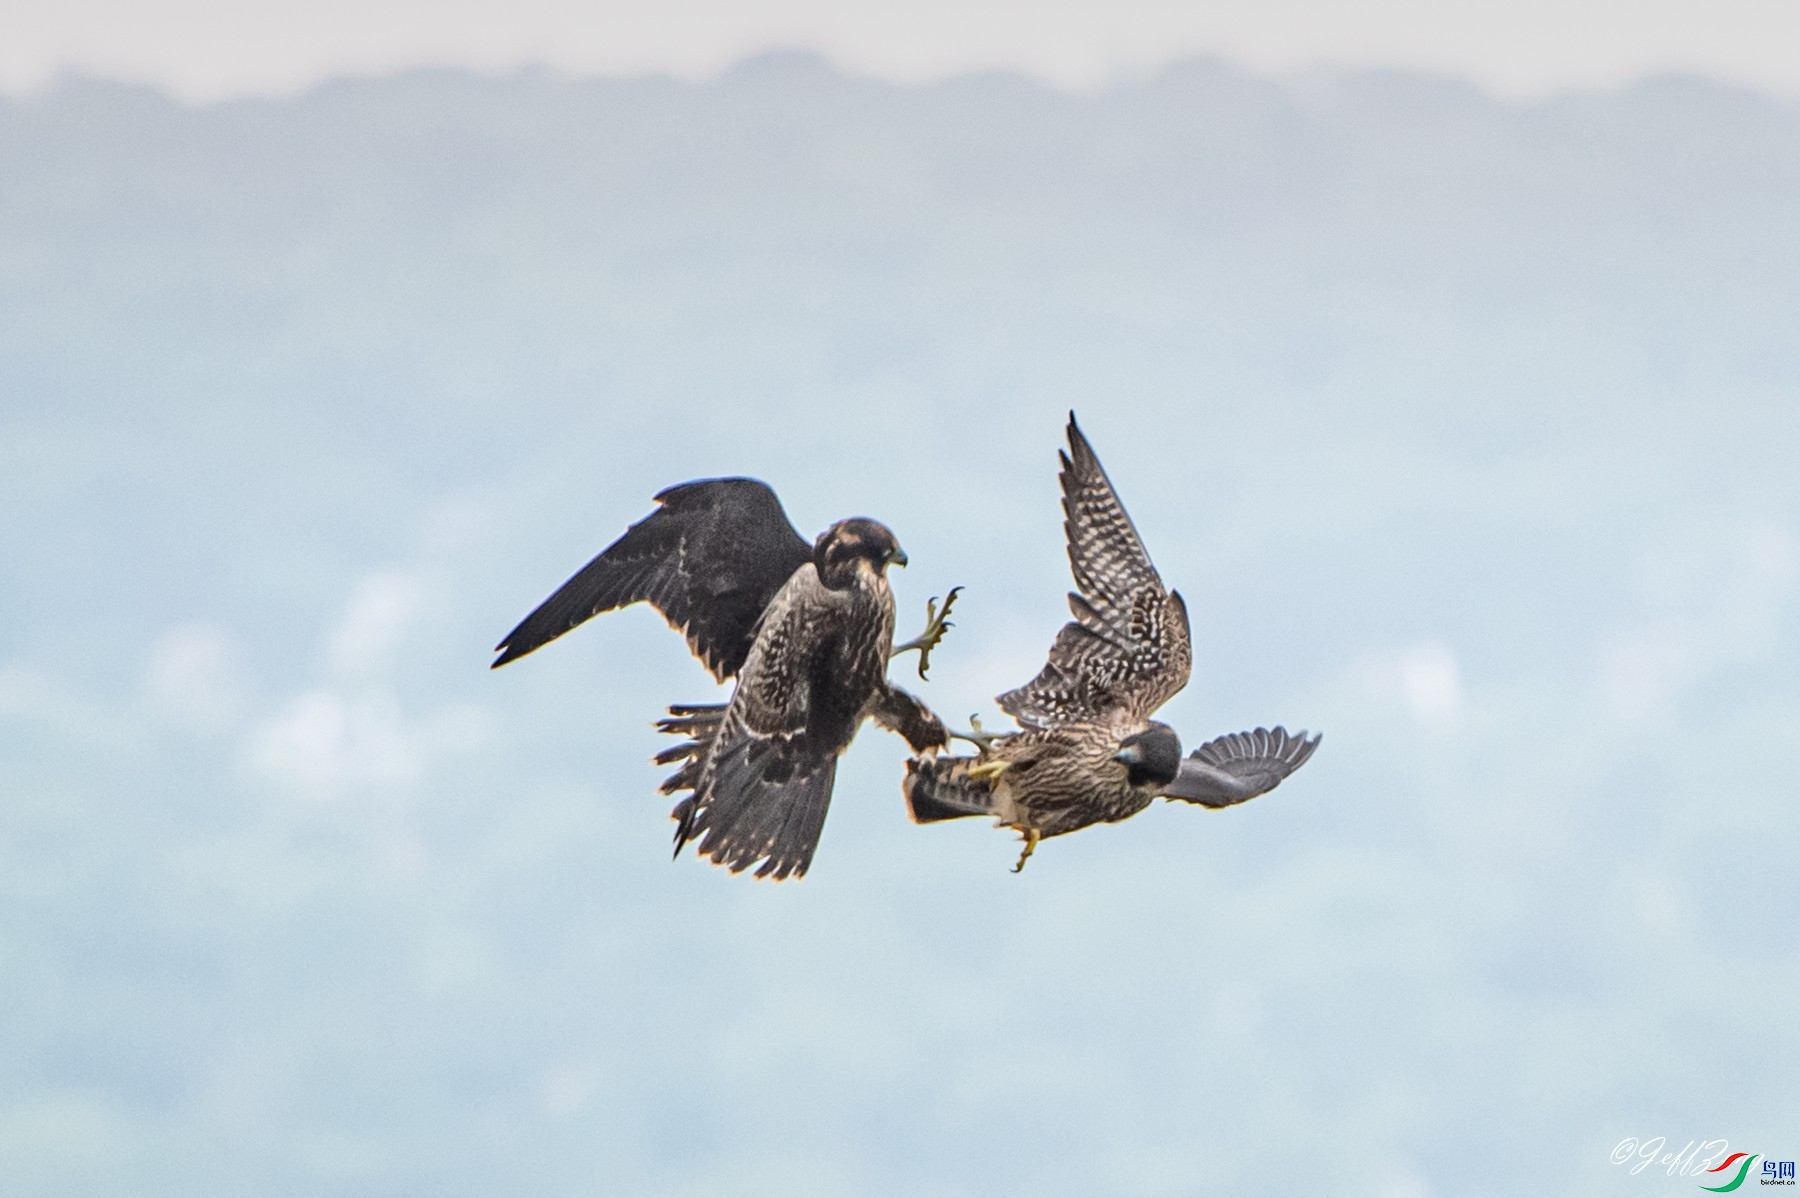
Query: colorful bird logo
x: 1743, y: 1170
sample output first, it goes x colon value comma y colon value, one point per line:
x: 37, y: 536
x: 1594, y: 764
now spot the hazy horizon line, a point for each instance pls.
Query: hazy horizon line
x: 796, y: 57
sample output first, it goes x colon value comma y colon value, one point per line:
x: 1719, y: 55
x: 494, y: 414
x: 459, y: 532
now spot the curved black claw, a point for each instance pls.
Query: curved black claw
x: 936, y: 625
x: 976, y: 735
x: 1032, y: 836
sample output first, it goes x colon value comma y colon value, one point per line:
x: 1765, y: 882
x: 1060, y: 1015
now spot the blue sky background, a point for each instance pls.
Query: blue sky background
x: 1465, y: 426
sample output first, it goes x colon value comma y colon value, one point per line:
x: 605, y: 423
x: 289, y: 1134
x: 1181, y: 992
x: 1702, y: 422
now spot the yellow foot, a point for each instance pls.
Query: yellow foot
x: 935, y: 627
x: 987, y: 771
x: 1031, y: 838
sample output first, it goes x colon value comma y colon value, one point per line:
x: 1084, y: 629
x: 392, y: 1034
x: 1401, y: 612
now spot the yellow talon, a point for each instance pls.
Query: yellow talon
x: 1032, y: 836
x: 987, y: 771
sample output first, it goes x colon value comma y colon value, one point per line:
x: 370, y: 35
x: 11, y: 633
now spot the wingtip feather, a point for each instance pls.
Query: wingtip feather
x: 1079, y: 447
x: 1074, y: 430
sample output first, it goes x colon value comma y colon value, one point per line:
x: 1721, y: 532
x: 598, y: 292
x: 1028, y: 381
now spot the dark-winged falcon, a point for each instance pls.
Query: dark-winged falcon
x: 1088, y: 751
x: 806, y: 630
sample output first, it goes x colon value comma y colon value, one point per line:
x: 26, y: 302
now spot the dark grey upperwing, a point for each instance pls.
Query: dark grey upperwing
x: 1240, y: 766
x: 1128, y: 644
x: 709, y: 558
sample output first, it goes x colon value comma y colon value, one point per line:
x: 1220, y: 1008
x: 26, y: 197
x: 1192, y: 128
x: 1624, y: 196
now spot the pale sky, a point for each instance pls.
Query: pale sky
x: 207, y: 49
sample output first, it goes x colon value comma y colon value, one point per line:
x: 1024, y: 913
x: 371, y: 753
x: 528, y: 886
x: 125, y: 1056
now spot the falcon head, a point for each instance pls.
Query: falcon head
x: 847, y: 545
x: 1151, y: 757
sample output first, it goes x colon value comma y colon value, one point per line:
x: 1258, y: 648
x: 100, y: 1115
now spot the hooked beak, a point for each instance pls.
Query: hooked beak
x: 898, y: 557
x: 1129, y: 755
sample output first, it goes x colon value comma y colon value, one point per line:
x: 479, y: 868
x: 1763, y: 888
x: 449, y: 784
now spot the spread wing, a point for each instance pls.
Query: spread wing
x: 763, y: 783
x: 1240, y: 766
x: 1127, y: 648
x: 709, y: 558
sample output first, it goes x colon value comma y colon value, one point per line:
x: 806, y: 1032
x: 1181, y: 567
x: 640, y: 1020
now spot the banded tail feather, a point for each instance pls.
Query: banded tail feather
x: 763, y: 802
x: 1230, y: 769
x: 940, y: 788
x: 700, y: 723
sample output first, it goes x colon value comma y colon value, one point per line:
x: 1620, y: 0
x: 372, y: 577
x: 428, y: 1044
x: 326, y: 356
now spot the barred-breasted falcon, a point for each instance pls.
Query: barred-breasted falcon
x: 1089, y: 752
x: 806, y: 630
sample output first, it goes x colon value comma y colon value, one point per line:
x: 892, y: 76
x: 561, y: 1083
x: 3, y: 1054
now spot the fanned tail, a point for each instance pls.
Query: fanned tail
x: 700, y: 723
x: 940, y: 788
x: 1240, y: 765
x: 755, y: 806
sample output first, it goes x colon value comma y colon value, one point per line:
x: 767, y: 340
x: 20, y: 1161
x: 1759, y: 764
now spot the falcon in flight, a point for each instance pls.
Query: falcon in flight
x: 807, y: 631
x: 1088, y: 751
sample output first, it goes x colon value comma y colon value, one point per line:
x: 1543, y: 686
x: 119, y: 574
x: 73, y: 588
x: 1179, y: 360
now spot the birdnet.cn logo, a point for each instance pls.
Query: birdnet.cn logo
x: 1736, y: 1167
x: 1706, y: 1162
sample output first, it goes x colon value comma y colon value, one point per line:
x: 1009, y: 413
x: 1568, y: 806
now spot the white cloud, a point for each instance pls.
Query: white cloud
x: 1431, y: 683
x: 381, y: 611
x: 458, y: 524
x: 1731, y: 600
x: 1772, y: 552
x: 565, y: 1089
x: 1424, y: 678
x: 1404, y: 1182
x: 23, y: 692
x: 194, y: 677
x: 1643, y: 670
x: 324, y: 742
x: 1766, y: 569
x: 1237, y: 1011
x: 54, y: 701
x: 350, y: 731
x: 327, y: 742
x: 1653, y: 904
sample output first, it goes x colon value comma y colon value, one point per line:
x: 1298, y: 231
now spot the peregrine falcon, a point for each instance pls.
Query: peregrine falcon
x: 1088, y: 751
x: 807, y: 631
